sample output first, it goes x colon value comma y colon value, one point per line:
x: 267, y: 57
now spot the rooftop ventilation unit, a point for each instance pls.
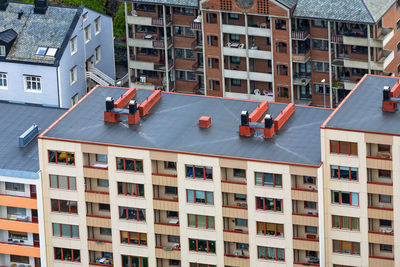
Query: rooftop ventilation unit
x: 205, y: 122
x: 3, y: 5
x: 30, y: 134
x: 391, y: 97
x: 40, y: 6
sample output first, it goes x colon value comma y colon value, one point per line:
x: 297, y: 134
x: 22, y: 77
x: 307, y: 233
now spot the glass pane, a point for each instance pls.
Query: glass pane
x: 64, y: 207
x: 356, y: 248
x: 190, y: 196
x: 122, y: 212
x: 210, y: 222
x: 140, y: 192
x: 199, y: 172
x: 335, y: 197
x: 278, y: 204
x: 345, y: 197
x: 189, y: 171
x: 62, y: 182
x: 270, y: 228
x: 65, y: 230
x: 200, y: 197
x: 142, y: 215
x: 211, y: 246
x: 354, y: 199
x: 56, y: 229
x: 129, y: 165
x: 281, y: 254
x: 346, y: 247
x: 279, y: 230
x: 208, y: 173
x: 261, y: 252
x: 344, y: 172
x: 268, y: 179
x: 335, y: 172
x: 192, y: 220
x: 335, y: 221
x: 202, y: 245
x: 259, y: 178
x: 278, y: 180
x: 355, y: 224
x: 336, y: 246
x: 334, y: 146
x: 53, y: 181
x: 61, y: 157
x: 75, y: 231
x: 139, y: 166
x: 260, y: 228
x: 130, y: 189
x: 192, y: 244
x: 120, y: 164
x: 353, y: 148
x: 210, y: 198
x: 201, y: 221
x: 52, y: 156
x: 57, y: 253
x: 346, y: 223
x: 343, y: 147
x: 72, y: 183
x: 67, y: 254
x: 354, y: 172
x: 271, y: 253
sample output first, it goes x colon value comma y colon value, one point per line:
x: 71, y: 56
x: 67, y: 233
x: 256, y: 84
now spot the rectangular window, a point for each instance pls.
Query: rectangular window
x: 64, y: 206
x: 3, y: 81
x: 268, y: 179
x: 310, y: 229
x: 105, y: 231
x: 236, y: 82
x: 239, y: 173
x: 19, y: 259
x: 319, y: 23
x: 319, y: 44
x: 62, y: 182
x: 200, y: 221
x: 240, y: 197
x: 18, y: 235
x: 346, y: 247
x: 125, y: 164
x: 134, y: 261
x: 310, y: 205
x: 308, y: 179
x: 171, y: 190
x: 280, y: 24
x: 319, y: 66
x: 200, y: 197
x: 104, y: 207
x: 340, y: 147
x: 2, y: 51
x: 97, y: 25
x: 97, y: 54
x: 240, y: 222
x: 345, y: 198
x: 67, y: 254
x: 269, y: 253
x: 102, y: 182
x: 169, y: 165
x: 385, y: 199
x: 73, y: 43
x: 33, y: 84
x: 386, y: 248
x: 319, y: 88
x: 65, y: 230
x: 183, y: 31
x: 269, y: 204
x: 199, y: 172
x: 184, y: 11
x: 16, y: 211
x: 130, y: 189
x: 344, y: 222
x: 61, y: 157
x: 132, y: 214
x: 344, y: 173
x: 234, y: 37
x: 172, y: 214
x: 235, y: 60
x: 271, y: 229
x: 200, y: 245
x: 385, y: 223
x: 88, y: 35
x: 15, y: 187
x: 73, y: 75
x: 133, y: 238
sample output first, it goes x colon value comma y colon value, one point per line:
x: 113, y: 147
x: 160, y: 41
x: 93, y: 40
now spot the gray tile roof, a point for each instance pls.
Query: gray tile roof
x: 15, y: 119
x: 34, y: 30
x: 288, y: 3
x: 172, y: 125
x: 187, y: 3
x: 365, y: 107
x: 358, y: 11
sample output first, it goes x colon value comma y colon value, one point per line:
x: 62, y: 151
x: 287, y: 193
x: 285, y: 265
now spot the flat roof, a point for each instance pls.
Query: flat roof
x: 15, y: 119
x: 362, y: 109
x: 172, y: 125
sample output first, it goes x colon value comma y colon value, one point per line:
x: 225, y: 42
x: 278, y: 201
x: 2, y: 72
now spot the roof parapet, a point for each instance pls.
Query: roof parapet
x: 258, y: 112
x: 145, y: 107
x: 391, y: 97
x: 125, y: 98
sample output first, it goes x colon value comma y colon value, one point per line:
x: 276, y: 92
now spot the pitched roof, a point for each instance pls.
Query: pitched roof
x: 288, y: 3
x: 50, y: 30
x: 358, y: 11
x: 187, y: 3
x: 8, y: 35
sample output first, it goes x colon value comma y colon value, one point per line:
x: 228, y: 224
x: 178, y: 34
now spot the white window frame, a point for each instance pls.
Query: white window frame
x: 85, y: 16
x: 87, y: 30
x: 97, y: 54
x: 38, y: 81
x: 74, y: 99
x: 73, y: 43
x: 4, y: 77
x: 97, y: 25
x: 2, y: 50
x: 73, y: 75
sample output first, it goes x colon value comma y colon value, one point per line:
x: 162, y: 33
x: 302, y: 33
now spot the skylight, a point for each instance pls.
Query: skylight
x: 51, y: 52
x: 41, y: 51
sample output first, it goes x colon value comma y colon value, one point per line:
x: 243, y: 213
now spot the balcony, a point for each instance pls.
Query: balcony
x: 381, y: 253
x: 195, y: 25
x: 100, y: 258
x: 358, y: 38
x: 166, y: 222
x: 235, y: 230
x: 306, y: 257
x: 300, y: 35
x: 99, y: 240
x: 149, y: 41
x: 301, y: 79
x: 236, y: 254
x: 150, y: 20
x: 380, y: 213
x: 305, y: 237
x: 166, y: 204
x: 19, y: 249
x: 168, y: 247
x: 146, y: 65
x: 379, y: 151
x: 380, y: 65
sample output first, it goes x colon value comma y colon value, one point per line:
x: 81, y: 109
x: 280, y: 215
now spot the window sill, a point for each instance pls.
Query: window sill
x: 33, y: 91
x: 3, y: 88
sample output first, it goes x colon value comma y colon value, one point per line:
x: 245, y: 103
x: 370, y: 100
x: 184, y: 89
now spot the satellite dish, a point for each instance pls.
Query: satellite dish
x: 265, y: 92
x: 257, y: 92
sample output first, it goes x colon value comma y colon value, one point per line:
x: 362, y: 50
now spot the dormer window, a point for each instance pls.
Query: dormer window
x: 41, y: 51
x: 46, y: 51
x: 2, y: 51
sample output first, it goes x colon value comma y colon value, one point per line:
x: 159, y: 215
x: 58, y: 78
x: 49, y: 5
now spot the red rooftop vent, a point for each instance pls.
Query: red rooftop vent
x: 283, y: 116
x: 145, y: 107
x: 205, y: 122
x: 258, y: 112
x: 391, y: 97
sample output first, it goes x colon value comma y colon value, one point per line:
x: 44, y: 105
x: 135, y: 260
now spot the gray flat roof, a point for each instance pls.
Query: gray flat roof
x: 51, y: 30
x: 15, y: 119
x: 362, y: 111
x: 172, y: 125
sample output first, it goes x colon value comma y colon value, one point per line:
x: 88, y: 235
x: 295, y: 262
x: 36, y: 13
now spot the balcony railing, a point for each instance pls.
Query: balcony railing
x: 300, y: 35
x: 160, y: 21
x: 195, y: 25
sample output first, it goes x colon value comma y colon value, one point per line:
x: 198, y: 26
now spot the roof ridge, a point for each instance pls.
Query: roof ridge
x: 369, y: 12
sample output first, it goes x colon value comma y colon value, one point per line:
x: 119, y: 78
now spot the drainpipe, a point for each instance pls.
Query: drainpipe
x: 247, y: 53
x: 330, y: 65
x: 166, y: 47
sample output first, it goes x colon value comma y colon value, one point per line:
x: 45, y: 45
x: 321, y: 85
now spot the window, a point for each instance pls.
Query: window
x: 281, y: 47
x: 343, y: 222
x: 345, y: 198
x: 97, y: 25
x: 3, y: 81
x: 199, y: 172
x: 346, y: 247
x: 240, y: 222
x: 200, y: 197
x: 319, y: 23
x: 283, y: 92
x: 239, y: 173
x: 105, y: 231
x: 104, y: 207
x: 97, y: 54
x: 200, y: 245
x: 134, y: 165
x: 102, y: 182
x: 101, y: 157
x: 200, y: 221
x: 88, y: 36
x: 308, y: 179
x: 341, y: 147
x: 310, y: 205
x: 130, y: 189
x: 133, y: 238
x: 62, y: 182
x: 385, y: 199
x: 310, y: 229
x: 269, y: 204
x: 16, y: 211
x: 268, y: 179
x: 184, y: 53
x: 239, y: 197
x: 134, y: 261
x: 271, y: 229
x: 65, y: 230
x: 233, y: 15
x: 184, y: 11
x: 85, y: 17
x: 234, y: 37
x: 2, y: 51
x: 320, y: 44
x: 73, y: 75
x: 19, y: 259
x: 41, y: 51
x: 33, y: 84
x: 174, y: 262
x: 172, y: 190
x: 185, y: 75
x: 344, y: 173
x: 183, y: 31
x: 385, y: 223
x: 282, y: 69
x: 320, y: 88
x: 319, y: 66
x: 268, y: 253
x: 18, y: 235
x: 355, y: 49
x: 173, y: 239
x: 236, y: 82
x: 64, y: 206
x: 280, y: 24
x: 51, y: 52
x: 169, y: 165
x: 73, y: 45
x: 132, y: 214
x: 15, y: 187
x: 67, y: 254
x: 172, y: 214
x: 61, y: 157
x: 386, y: 248
x: 235, y: 60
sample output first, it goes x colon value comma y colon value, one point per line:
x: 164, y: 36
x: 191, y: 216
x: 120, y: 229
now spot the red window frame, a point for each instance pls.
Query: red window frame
x: 265, y: 253
x: 137, y: 214
x: 197, y: 245
x: 340, y: 198
x: 196, y: 225
x: 343, y: 152
x: 56, y: 158
x: 129, y: 238
x: 204, y: 172
x: 62, y: 254
x: 58, y: 182
x: 339, y: 178
x: 264, y: 199
x: 134, y: 164
x: 130, y: 260
x: 341, y: 246
x: 69, y: 206
x: 125, y: 188
x: 166, y: 165
x: 194, y: 199
x: 380, y: 199
x: 70, y: 230
x: 276, y: 229
x: 273, y: 180
x: 351, y: 223
x: 306, y: 207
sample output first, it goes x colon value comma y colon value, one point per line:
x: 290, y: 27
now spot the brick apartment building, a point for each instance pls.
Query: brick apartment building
x: 282, y: 50
x: 179, y: 181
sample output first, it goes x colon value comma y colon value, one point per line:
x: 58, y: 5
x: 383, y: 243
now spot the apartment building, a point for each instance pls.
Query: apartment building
x: 277, y: 50
x: 21, y: 213
x: 50, y: 55
x: 179, y: 181
x: 360, y: 152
